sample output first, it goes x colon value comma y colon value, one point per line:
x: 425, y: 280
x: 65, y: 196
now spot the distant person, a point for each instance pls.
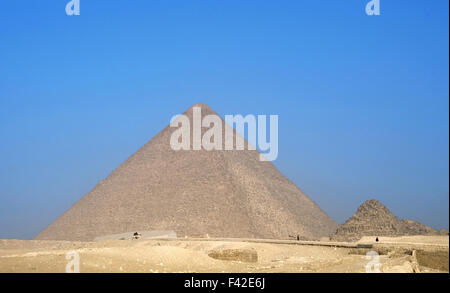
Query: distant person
x: 377, y: 240
x: 298, y: 237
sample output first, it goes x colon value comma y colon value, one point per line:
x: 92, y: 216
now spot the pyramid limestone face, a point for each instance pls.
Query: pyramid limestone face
x: 194, y: 193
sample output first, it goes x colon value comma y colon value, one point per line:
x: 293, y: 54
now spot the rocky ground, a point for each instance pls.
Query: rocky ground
x: 404, y: 254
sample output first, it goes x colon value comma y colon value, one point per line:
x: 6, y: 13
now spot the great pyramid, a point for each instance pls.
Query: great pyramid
x: 198, y: 192
x: 374, y: 219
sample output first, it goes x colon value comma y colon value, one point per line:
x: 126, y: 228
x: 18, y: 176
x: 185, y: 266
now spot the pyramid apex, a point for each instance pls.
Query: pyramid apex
x: 201, y: 105
x: 372, y: 202
x: 204, y: 107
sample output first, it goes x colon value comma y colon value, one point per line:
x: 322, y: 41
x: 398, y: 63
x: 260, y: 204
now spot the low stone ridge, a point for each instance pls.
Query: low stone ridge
x: 243, y: 255
x: 443, y: 232
x: 143, y: 235
x: 410, y: 227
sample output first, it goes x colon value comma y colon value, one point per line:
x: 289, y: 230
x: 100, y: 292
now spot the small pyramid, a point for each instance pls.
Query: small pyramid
x: 194, y: 193
x: 374, y: 219
x: 371, y: 219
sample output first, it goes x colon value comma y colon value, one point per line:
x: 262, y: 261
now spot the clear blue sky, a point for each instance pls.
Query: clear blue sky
x: 363, y: 101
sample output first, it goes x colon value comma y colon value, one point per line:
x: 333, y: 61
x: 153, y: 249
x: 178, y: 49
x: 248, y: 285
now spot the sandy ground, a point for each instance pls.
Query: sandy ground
x: 414, y: 240
x: 189, y: 255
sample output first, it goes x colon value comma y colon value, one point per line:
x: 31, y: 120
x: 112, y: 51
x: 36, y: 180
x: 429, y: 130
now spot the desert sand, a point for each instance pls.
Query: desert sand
x: 397, y: 255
